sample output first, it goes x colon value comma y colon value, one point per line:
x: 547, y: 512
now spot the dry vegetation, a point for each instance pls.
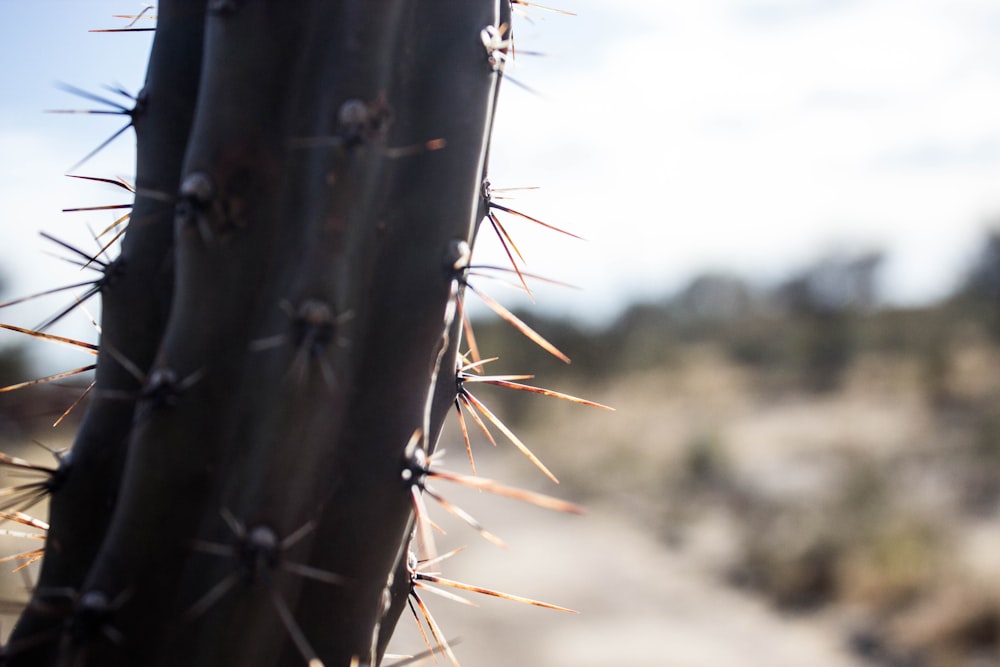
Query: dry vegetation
x: 801, y: 448
x: 841, y: 461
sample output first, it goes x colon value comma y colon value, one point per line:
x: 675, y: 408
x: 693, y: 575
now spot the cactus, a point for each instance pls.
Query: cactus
x: 280, y: 341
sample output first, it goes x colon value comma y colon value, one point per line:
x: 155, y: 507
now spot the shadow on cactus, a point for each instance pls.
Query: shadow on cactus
x: 281, y: 341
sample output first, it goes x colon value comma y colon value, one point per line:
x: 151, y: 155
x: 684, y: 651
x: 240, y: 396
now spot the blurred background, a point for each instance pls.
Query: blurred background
x: 790, y: 291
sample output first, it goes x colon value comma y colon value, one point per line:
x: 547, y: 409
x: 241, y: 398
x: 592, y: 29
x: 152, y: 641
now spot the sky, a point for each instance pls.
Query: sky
x: 678, y: 137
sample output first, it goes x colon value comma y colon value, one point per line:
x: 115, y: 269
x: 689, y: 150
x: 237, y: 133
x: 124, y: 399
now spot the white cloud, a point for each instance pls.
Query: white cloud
x: 712, y: 135
x: 678, y: 136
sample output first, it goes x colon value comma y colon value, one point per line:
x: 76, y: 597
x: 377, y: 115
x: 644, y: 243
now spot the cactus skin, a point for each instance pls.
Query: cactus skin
x: 135, y: 308
x: 287, y: 290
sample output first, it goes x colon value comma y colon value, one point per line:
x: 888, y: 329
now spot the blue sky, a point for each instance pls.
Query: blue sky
x: 43, y: 43
x: 750, y: 136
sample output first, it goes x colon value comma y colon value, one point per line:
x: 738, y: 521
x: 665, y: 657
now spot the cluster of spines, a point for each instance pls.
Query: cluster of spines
x: 257, y: 550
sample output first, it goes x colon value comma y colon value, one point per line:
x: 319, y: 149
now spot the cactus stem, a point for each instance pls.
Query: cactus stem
x: 161, y: 387
x: 93, y: 616
x: 83, y: 619
x: 257, y: 553
x: 294, y: 631
x: 17, y: 647
x: 208, y: 600
x: 314, y: 328
x: 197, y: 195
x: 222, y: 7
x: 164, y: 387
x: 230, y: 220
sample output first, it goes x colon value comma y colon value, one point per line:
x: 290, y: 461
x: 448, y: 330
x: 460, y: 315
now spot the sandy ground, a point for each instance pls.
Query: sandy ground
x: 641, y: 604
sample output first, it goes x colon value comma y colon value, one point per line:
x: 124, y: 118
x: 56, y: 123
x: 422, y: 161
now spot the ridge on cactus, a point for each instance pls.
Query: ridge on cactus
x: 283, y: 334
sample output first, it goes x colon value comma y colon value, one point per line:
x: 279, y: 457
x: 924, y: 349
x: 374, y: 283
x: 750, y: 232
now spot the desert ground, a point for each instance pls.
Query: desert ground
x: 733, y: 519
